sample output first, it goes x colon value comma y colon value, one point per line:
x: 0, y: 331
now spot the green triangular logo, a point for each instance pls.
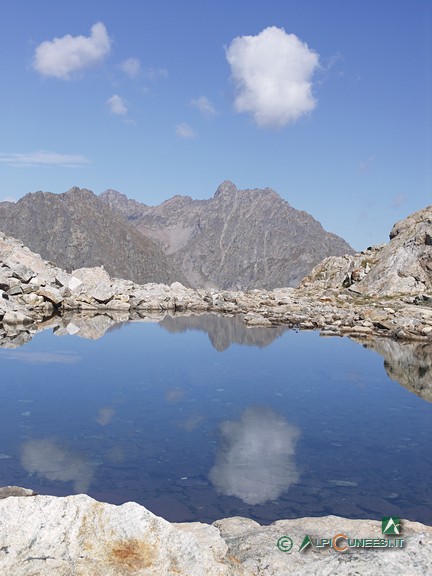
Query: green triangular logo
x: 306, y: 542
x: 391, y: 525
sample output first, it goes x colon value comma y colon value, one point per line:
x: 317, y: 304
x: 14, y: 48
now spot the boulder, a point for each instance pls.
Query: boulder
x: 76, y: 535
x: 51, y: 294
x: 23, y: 273
x: 7, y: 491
x: 12, y: 317
x: 96, y: 283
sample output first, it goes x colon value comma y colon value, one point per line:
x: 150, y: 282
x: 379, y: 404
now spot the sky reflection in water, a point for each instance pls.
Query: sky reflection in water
x: 262, y: 423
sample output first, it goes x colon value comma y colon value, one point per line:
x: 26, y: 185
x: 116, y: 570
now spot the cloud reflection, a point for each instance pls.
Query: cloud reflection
x: 105, y: 415
x: 255, y: 461
x: 48, y: 459
x: 42, y: 357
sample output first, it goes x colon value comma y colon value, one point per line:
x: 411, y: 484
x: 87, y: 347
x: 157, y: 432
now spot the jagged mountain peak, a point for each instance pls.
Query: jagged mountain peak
x: 238, y: 239
x: 227, y: 187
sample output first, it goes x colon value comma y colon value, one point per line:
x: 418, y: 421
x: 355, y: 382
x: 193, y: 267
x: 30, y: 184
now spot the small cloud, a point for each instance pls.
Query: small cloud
x: 365, y: 165
x: 131, y: 67
x: 185, y: 131
x: 272, y: 75
x: 117, y: 105
x: 398, y: 201
x: 154, y: 74
x: 331, y: 62
x: 105, y: 415
x: 8, y: 199
x: 48, y: 459
x: 204, y: 105
x: 66, y: 56
x: 43, y: 158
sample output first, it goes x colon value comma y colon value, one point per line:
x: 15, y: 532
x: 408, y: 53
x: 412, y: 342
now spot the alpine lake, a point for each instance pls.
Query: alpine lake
x: 199, y: 417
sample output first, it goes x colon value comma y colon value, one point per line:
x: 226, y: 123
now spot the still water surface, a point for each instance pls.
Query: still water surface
x: 215, y: 421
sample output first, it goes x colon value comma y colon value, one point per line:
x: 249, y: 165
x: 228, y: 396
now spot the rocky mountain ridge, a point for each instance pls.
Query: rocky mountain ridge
x: 239, y: 239
x: 75, y: 229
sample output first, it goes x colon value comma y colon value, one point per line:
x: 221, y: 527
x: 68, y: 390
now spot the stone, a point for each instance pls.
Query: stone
x: 50, y: 536
x: 16, y: 318
x: 96, y: 283
x: 51, y: 294
x: 15, y: 290
x: 78, y: 535
x: 8, y: 491
x: 74, y: 283
x: 253, y: 319
x: 62, y: 278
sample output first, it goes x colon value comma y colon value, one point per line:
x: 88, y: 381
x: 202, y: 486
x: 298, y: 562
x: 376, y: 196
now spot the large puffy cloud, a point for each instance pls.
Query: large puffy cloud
x: 66, y: 56
x: 272, y: 74
x: 255, y: 460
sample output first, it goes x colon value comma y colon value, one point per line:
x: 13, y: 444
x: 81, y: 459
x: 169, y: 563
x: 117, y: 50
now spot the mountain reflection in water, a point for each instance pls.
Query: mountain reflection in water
x: 199, y: 417
x: 408, y: 363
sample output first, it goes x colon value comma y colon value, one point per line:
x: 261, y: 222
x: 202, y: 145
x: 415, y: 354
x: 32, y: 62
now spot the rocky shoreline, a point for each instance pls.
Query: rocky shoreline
x: 32, y: 291
x: 381, y: 297
x: 76, y: 535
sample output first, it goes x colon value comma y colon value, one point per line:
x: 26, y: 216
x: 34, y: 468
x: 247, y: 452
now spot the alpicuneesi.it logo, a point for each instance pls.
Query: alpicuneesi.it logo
x: 390, y: 525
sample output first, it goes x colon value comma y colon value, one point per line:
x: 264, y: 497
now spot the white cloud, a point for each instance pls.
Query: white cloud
x: 48, y: 459
x: 43, y: 158
x: 255, y: 460
x: 131, y: 67
x: 154, y: 74
x: 117, y: 105
x: 204, y: 105
x: 64, y: 57
x: 272, y: 74
x: 9, y: 199
x: 184, y: 130
x: 105, y: 415
x: 42, y: 357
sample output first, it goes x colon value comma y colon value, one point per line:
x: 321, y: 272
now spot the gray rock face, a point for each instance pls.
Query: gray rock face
x: 76, y: 229
x: 239, y: 239
x: 403, y: 266
x: 76, y: 535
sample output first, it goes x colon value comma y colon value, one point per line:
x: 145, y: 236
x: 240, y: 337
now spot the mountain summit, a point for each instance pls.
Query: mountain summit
x: 238, y: 239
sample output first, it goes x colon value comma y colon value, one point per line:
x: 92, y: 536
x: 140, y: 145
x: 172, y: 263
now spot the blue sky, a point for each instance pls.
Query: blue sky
x: 328, y: 103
